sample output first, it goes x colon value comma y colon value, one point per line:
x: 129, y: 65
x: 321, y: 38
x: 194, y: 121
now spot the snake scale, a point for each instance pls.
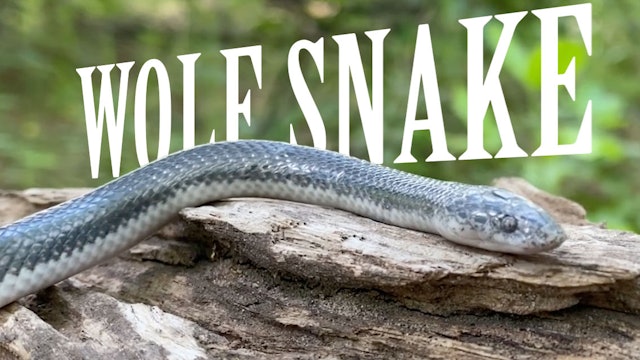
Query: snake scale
x: 56, y: 243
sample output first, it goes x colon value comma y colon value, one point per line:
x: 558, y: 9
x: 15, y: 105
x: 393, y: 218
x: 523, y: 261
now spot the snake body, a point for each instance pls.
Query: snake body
x: 56, y: 243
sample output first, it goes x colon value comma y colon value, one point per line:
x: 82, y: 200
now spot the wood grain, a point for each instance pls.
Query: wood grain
x: 250, y: 278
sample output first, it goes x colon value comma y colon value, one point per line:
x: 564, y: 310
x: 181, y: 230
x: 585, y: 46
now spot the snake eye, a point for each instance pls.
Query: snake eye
x: 509, y: 224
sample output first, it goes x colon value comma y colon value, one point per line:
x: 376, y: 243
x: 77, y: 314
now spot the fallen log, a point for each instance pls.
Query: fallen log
x: 256, y: 278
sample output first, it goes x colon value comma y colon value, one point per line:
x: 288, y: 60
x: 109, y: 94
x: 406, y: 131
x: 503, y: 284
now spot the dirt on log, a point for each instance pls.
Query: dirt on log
x: 258, y: 278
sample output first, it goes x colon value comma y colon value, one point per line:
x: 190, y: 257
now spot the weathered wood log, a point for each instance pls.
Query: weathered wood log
x: 250, y: 278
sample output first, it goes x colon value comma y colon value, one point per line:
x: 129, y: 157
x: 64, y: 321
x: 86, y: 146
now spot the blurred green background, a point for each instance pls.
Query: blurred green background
x: 42, y: 130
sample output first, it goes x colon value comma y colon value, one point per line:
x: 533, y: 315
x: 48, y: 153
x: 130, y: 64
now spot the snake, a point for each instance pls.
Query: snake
x: 61, y: 241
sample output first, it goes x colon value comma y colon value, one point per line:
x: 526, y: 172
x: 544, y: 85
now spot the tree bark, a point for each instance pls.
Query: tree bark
x: 256, y: 278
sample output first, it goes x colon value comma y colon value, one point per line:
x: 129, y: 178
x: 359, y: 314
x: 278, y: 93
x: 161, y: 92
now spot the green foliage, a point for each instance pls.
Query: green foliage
x: 42, y: 131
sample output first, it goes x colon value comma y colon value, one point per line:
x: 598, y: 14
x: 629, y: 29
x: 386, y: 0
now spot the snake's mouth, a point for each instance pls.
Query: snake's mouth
x: 519, y: 242
x: 546, y: 239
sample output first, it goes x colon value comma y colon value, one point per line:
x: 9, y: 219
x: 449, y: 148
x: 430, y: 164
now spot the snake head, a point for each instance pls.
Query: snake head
x: 498, y: 220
